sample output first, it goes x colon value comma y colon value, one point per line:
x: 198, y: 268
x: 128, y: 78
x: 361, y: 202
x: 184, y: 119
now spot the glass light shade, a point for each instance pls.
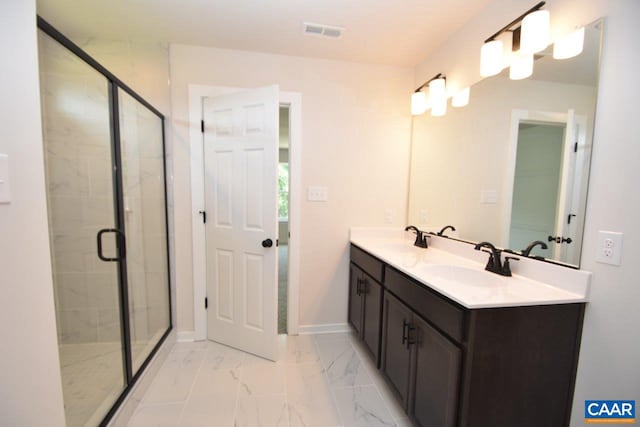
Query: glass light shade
x: 461, y: 98
x: 570, y: 45
x: 438, y: 97
x: 418, y: 103
x: 491, y: 62
x: 521, y: 66
x: 535, y: 32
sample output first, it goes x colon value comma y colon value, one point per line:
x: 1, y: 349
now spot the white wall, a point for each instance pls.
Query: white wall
x: 30, y: 385
x: 608, y: 367
x: 355, y: 141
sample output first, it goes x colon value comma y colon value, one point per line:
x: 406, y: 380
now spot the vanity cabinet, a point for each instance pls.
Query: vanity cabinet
x: 365, y: 299
x: 451, y: 366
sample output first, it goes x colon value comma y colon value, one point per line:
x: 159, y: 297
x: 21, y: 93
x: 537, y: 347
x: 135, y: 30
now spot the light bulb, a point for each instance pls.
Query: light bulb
x: 461, y: 98
x: 521, y: 66
x: 570, y: 45
x: 535, y: 32
x: 438, y: 97
x: 491, y: 62
x: 418, y: 103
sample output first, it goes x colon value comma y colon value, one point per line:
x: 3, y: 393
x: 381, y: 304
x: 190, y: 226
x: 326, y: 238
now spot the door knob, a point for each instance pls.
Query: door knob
x: 267, y: 243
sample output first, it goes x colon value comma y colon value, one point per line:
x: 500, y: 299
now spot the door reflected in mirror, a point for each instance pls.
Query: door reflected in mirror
x: 512, y: 167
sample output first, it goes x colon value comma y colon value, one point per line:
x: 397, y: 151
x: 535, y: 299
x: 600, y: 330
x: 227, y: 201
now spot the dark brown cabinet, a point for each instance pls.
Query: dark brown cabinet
x: 422, y: 366
x: 450, y: 366
x: 395, y: 360
x: 436, y: 375
x: 365, y: 299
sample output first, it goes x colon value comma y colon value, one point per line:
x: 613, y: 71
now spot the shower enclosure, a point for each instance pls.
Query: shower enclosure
x: 106, y: 196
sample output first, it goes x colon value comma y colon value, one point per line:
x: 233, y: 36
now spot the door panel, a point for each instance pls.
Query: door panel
x: 241, y: 154
x: 437, y: 374
x: 372, y: 310
x: 396, y: 354
x: 355, y: 300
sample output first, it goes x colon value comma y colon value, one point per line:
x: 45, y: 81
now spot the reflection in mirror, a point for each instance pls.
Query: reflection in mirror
x: 512, y: 167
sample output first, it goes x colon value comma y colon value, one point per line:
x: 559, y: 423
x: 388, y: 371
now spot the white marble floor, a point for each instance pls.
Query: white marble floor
x: 322, y: 381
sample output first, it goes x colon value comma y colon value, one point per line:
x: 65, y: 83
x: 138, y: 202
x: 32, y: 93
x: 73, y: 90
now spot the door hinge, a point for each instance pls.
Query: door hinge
x: 202, y: 126
x: 206, y: 303
x: 204, y: 216
x: 575, y: 148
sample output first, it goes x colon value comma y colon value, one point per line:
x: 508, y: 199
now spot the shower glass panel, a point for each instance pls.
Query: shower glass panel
x: 80, y: 197
x: 145, y: 224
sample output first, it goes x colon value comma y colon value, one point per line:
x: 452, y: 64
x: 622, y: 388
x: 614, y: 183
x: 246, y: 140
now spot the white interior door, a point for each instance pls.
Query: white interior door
x: 565, y: 193
x: 241, y: 159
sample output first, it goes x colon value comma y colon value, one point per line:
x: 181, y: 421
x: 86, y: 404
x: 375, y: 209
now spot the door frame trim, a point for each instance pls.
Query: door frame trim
x: 294, y: 101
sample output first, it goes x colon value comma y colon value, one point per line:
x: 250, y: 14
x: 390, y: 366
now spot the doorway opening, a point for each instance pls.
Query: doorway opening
x: 283, y: 218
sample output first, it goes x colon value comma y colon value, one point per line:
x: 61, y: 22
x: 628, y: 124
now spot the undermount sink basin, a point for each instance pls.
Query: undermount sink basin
x: 464, y: 275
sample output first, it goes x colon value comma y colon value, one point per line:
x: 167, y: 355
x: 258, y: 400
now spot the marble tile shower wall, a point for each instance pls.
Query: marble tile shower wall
x: 80, y: 199
x: 77, y: 159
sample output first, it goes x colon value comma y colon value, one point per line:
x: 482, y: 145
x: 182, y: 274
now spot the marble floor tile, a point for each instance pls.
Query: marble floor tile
x: 300, y: 349
x: 162, y: 415
x: 175, y: 378
x: 343, y: 365
x: 262, y: 411
x: 362, y: 407
x: 320, y: 381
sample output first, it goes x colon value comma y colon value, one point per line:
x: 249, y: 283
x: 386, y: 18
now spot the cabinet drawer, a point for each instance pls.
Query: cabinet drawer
x: 371, y: 265
x: 445, y: 315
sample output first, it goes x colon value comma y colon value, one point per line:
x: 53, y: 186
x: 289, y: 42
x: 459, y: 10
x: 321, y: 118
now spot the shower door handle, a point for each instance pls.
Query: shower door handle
x: 120, y: 244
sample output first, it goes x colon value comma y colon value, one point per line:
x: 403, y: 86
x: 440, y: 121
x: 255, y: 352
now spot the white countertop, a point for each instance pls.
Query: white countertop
x: 455, y: 270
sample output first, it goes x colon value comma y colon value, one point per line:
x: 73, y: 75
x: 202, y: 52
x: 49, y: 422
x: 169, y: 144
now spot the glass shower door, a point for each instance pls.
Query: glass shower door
x: 141, y: 142
x: 82, y: 223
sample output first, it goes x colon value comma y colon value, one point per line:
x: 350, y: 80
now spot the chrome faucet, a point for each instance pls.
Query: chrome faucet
x: 441, y: 232
x: 495, y: 264
x: 527, y: 250
x: 421, y: 238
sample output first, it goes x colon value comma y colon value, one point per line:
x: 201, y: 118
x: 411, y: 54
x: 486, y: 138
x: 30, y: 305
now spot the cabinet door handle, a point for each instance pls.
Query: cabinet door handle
x: 405, y: 327
x: 410, y: 339
x: 358, y: 283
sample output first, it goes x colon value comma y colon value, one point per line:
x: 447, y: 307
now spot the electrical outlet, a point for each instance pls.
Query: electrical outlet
x: 609, y: 247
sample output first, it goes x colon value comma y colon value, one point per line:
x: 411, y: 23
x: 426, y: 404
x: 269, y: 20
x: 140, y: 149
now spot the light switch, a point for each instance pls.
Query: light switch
x: 317, y: 194
x: 5, y: 189
x: 489, y: 197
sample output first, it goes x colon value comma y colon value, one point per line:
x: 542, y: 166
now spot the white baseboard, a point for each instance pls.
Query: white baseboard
x: 327, y: 328
x: 185, y: 336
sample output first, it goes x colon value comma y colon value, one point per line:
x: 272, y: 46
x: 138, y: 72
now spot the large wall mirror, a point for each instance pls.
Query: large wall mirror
x: 512, y: 167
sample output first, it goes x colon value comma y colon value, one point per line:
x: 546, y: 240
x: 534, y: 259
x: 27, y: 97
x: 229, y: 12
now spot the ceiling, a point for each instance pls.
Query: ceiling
x: 393, y: 32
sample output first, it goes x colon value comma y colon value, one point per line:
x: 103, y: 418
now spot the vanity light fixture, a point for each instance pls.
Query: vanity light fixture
x: 491, y: 60
x: 492, y: 57
x: 438, y: 96
x: 461, y: 98
x: 419, y: 101
x: 535, y: 32
x: 570, y: 45
x: 521, y: 66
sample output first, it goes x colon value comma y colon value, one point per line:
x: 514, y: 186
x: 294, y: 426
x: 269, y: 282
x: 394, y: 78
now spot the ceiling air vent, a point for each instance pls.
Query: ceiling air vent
x: 322, y: 30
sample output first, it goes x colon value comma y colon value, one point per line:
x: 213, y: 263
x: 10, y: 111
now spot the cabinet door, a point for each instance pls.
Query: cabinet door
x: 372, y: 315
x: 355, y: 299
x: 434, y: 401
x: 396, y: 353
